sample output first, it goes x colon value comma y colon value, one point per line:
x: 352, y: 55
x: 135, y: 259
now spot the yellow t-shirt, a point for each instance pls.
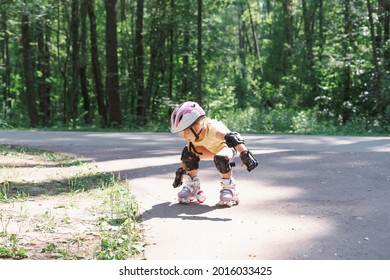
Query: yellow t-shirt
x: 210, y: 141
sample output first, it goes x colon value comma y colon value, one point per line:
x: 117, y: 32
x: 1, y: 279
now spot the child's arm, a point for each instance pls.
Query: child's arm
x: 189, y: 162
x: 239, y: 147
x: 234, y: 140
x: 179, y: 176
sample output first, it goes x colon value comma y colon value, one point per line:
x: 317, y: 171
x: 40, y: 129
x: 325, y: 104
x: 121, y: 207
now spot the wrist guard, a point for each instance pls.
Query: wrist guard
x: 249, y: 160
x: 178, y: 177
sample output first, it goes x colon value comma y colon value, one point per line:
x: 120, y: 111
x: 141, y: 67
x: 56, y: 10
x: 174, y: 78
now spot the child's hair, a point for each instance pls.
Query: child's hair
x: 198, y: 120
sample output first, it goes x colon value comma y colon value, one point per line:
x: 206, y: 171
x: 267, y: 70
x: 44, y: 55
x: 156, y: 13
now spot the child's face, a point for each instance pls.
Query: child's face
x: 188, y: 135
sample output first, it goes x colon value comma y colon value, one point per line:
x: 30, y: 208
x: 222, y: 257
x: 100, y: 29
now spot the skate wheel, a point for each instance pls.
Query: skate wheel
x: 184, y: 201
x: 200, y: 197
x: 225, y: 204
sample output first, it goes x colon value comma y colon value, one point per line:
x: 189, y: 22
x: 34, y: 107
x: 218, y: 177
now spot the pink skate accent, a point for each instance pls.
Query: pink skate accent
x: 200, y: 197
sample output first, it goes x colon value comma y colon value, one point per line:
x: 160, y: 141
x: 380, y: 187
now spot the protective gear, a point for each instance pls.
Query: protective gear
x: 191, y: 191
x: 178, y: 177
x: 249, y: 160
x: 185, y: 115
x: 228, y: 196
x: 196, y: 134
x: 233, y: 139
x: 222, y: 163
x: 189, y: 159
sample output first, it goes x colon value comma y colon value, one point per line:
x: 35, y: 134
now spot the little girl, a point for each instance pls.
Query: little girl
x: 207, y: 139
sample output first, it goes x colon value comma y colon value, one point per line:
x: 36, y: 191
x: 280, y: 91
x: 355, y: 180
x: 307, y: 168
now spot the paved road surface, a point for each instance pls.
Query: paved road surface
x: 312, y: 197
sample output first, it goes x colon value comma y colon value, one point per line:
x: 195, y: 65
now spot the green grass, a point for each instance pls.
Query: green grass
x: 117, y: 217
x: 120, y: 228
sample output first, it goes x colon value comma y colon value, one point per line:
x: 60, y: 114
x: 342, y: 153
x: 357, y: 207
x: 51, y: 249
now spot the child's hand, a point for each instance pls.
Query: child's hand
x: 178, y: 177
x: 248, y: 160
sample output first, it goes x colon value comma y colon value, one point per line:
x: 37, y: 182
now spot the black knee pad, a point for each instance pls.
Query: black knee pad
x: 189, y: 159
x: 222, y: 163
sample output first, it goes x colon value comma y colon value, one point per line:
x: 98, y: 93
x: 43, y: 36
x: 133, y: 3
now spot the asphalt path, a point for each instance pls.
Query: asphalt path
x: 310, y: 198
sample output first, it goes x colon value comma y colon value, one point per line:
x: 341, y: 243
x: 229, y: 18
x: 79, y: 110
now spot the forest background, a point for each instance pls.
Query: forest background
x: 286, y: 66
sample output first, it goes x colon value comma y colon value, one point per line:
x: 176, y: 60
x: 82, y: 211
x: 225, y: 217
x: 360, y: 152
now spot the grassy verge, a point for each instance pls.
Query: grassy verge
x: 53, y: 206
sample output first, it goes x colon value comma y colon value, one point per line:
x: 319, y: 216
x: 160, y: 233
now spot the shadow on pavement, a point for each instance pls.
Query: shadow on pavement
x: 192, y: 211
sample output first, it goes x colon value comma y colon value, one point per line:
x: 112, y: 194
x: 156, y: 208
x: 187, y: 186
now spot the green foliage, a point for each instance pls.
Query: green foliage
x: 10, y: 248
x: 339, y: 83
x: 282, y: 120
x: 121, y: 232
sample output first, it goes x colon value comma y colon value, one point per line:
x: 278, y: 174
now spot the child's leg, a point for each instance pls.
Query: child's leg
x: 228, y: 196
x: 222, y: 162
x: 191, y: 189
x: 203, y: 154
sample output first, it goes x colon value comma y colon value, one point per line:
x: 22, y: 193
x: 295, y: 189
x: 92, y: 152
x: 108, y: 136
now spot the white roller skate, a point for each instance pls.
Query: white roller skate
x: 228, y: 196
x: 191, y: 191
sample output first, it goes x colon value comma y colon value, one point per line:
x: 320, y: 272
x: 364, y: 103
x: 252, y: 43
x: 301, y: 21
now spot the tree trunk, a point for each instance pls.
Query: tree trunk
x: 157, y: 38
x: 321, y: 36
x: 112, y: 77
x: 255, y: 41
x: 83, y: 65
x: 102, y: 109
x: 378, y: 87
x: 310, y: 77
x: 171, y: 50
x: 288, y: 35
x: 139, y: 63
x: 240, y: 91
x: 28, y: 70
x: 6, y: 77
x: 386, y: 32
x: 75, y: 61
x: 199, y: 48
x: 186, y: 51
x: 346, y: 77
x: 44, y: 69
x: 63, y: 60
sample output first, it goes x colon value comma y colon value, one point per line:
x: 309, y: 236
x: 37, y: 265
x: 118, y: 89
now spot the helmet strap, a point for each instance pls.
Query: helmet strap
x: 196, y: 134
x: 200, y: 131
x: 192, y: 149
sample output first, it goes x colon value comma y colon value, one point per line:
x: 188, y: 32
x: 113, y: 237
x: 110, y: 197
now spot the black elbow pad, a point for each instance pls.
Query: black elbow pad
x: 233, y: 139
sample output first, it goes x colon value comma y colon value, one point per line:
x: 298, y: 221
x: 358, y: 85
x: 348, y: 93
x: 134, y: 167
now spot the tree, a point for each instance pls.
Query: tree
x: 347, y: 43
x: 139, y: 63
x: 242, y: 76
x: 112, y: 81
x: 288, y: 33
x: 75, y: 62
x: 83, y: 64
x: 96, y: 68
x: 385, y: 16
x: 28, y: 68
x: 43, y: 38
x: 255, y: 41
x: 199, y: 48
x: 156, y: 40
x: 171, y: 48
x: 329, y: 59
x: 375, y: 60
x: 309, y: 15
x: 186, y: 50
x: 5, y: 57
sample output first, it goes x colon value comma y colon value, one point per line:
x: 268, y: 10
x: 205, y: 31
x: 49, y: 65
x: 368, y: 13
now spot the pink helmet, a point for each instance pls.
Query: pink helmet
x: 185, y: 115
